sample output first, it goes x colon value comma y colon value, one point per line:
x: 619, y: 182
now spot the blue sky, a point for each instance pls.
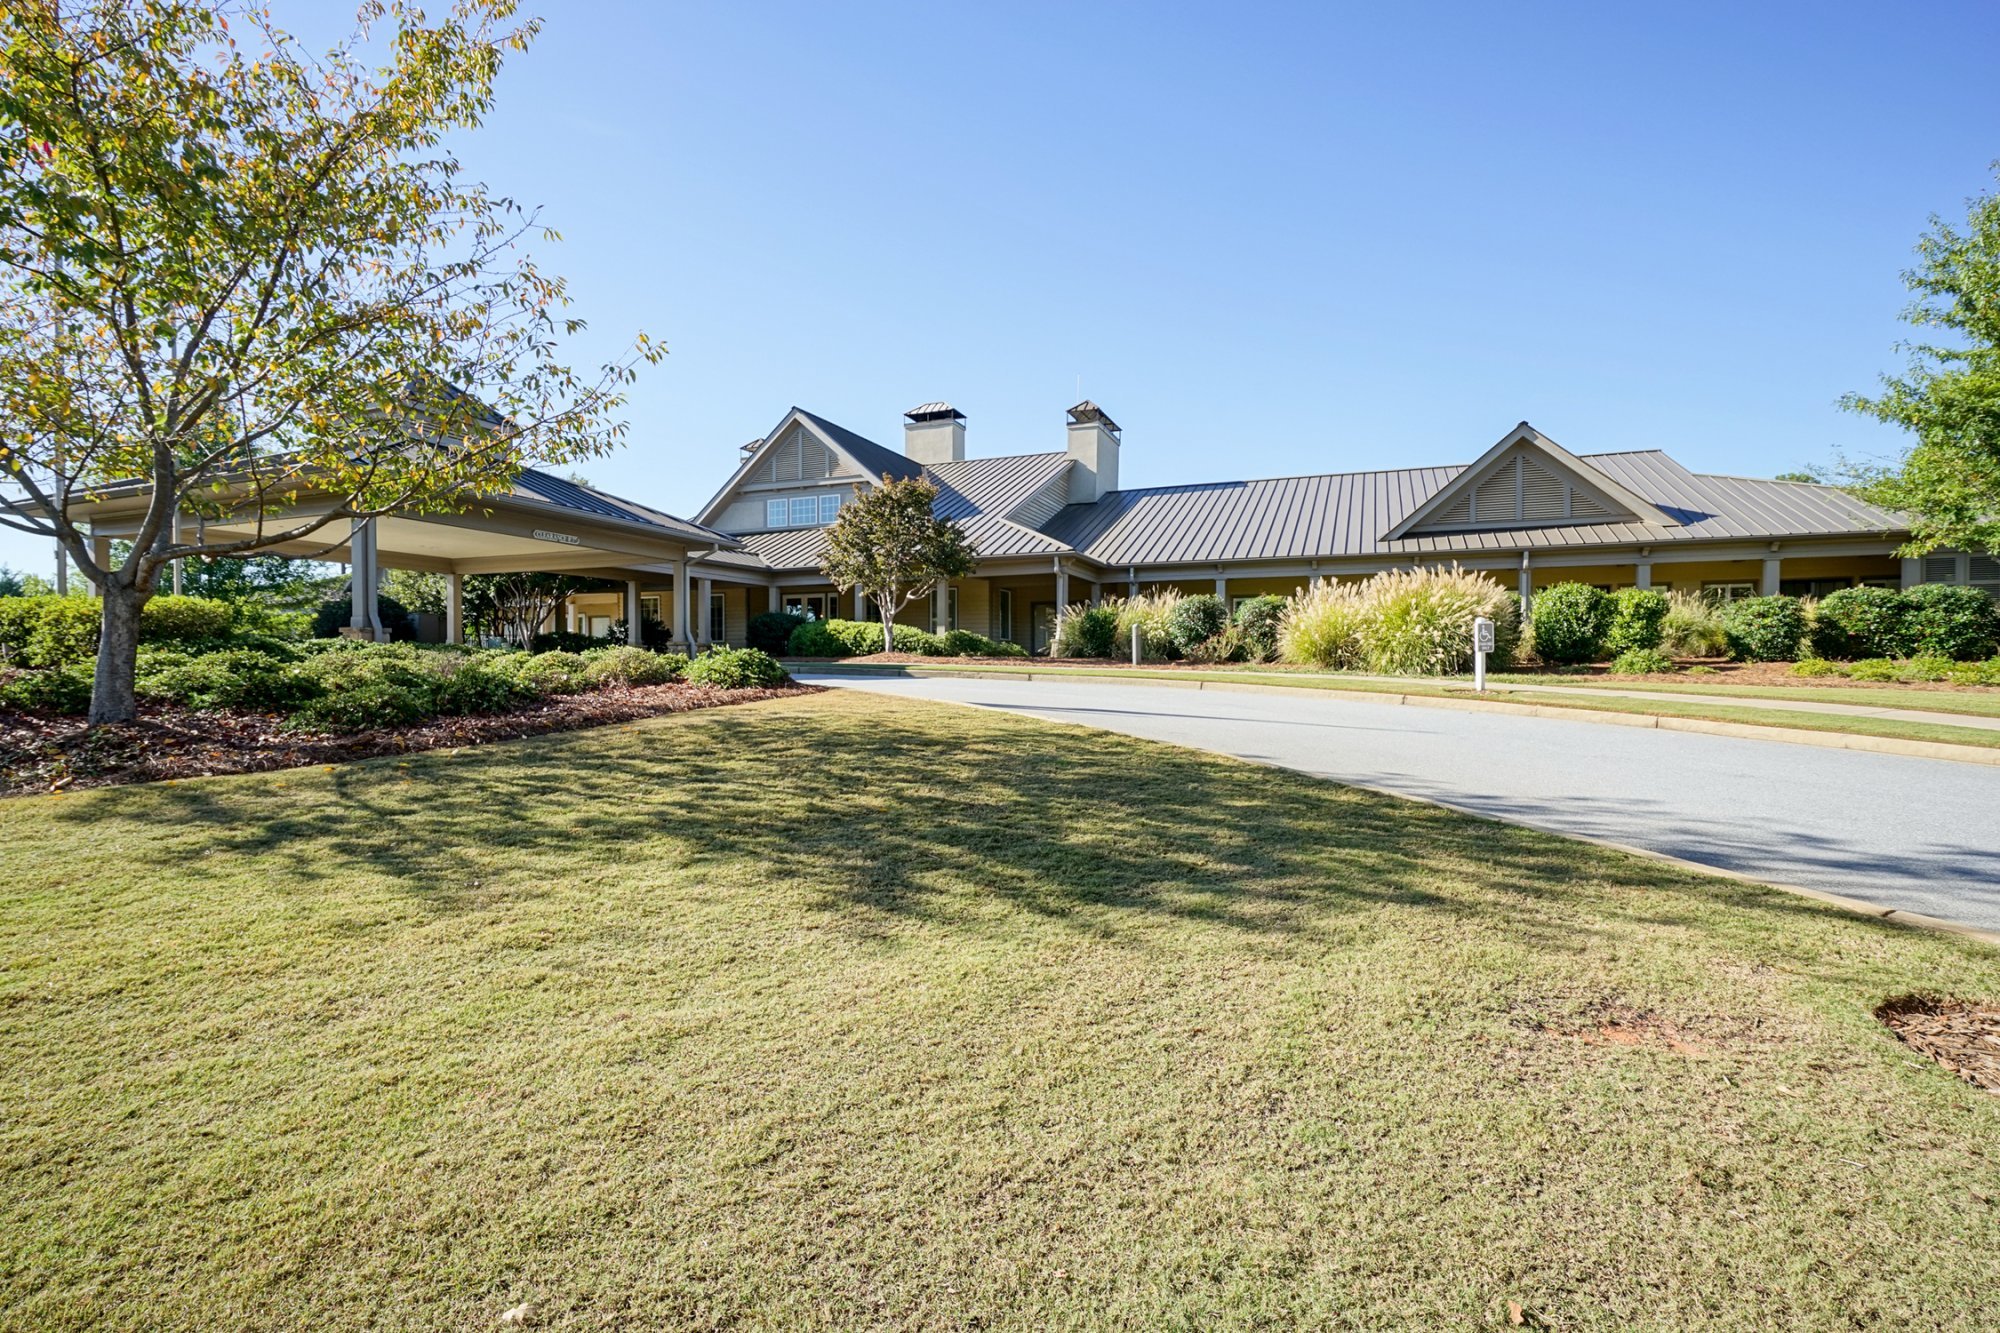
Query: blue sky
x: 1269, y: 239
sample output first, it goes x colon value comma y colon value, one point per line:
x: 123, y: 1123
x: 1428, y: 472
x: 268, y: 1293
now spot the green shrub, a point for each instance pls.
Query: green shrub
x: 565, y: 641
x: 1148, y: 612
x: 964, y: 643
x: 771, y: 631
x: 736, y: 669
x: 375, y: 703
x: 49, y: 631
x: 370, y: 664
x: 1927, y: 668
x: 1224, y: 647
x: 1817, y: 666
x: 1975, y: 673
x: 1764, y: 629
x: 1195, y: 620
x: 1950, y: 621
x: 467, y: 685
x: 1641, y: 662
x: 1569, y: 623
x: 1701, y: 671
x: 815, y: 638
x: 553, y: 673
x: 1258, y: 619
x: 635, y: 666
x: 1419, y: 621
x: 63, y: 689
x: 861, y: 637
x: 1087, y: 631
x: 1851, y: 623
x: 1638, y: 620
x: 170, y: 619
x: 921, y: 642
x: 236, y: 678
x: 1692, y: 628
x: 1321, y: 626
x: 1875, y: 668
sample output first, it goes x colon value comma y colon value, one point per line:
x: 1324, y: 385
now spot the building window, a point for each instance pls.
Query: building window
x: 774, y: 513
x: 649, y: 609
x: 829, y: 507
x: 1004, y: 614
x: 717, y: 619
x: 805, y: 509
x: 802, y: 511
x: 1728, y: 592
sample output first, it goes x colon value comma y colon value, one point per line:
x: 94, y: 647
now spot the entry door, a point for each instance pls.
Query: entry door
x: 1044, y: 621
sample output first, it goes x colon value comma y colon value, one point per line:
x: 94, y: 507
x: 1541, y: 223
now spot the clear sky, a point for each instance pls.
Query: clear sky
x: 1268, y: 239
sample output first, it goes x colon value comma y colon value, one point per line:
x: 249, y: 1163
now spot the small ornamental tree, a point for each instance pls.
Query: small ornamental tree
x: 890, y: 545
x: 253, y: 281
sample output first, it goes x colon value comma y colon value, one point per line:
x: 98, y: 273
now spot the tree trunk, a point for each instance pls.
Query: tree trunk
x: 888, y: 626
x: 112, y: 695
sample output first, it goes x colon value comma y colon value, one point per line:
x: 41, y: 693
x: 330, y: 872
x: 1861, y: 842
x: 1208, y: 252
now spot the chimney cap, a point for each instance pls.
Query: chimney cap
x: 1087, y: 411
x: 934, y: 412
x: 753, y: 446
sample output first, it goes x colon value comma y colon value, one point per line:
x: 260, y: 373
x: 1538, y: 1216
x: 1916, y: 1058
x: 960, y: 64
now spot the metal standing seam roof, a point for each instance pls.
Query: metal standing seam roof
x: 874, y: 459
x: 978, y: 493
x: 1344, y: 514
x: 567, y: 494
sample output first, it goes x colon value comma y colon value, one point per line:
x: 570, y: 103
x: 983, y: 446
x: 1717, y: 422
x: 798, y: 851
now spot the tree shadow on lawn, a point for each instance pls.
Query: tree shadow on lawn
x: 910, y: 810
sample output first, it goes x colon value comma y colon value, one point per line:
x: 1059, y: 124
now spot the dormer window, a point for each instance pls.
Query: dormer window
x: 801, y: 511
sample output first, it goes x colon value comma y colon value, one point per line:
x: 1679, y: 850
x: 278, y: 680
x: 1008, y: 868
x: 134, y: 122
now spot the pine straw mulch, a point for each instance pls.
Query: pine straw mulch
x: 1962, y: 1036
x: 44, y: 753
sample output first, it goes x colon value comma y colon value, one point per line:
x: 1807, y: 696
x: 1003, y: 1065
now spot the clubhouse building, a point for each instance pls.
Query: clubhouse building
x: 1055, y: 528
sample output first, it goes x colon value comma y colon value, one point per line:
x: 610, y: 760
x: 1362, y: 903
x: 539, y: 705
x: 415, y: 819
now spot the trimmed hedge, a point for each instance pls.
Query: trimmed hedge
x: 1193, y: 621
x: 771, y: 631
x: 736, y: 669
x: 964, y: 643
x: 1854, y: 623
x: 1764, y: 629
x: 1638, y: 621
x: 1257, y: 620
x: 838, y: 638
x: 1945, y: 620
x: 1569, y: 622
x: 1641, y: 662
x: 633, y: 666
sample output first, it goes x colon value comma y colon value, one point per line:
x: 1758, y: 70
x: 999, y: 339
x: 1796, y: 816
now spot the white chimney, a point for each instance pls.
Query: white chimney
x: 934, y: 433
x: 1093, y: 443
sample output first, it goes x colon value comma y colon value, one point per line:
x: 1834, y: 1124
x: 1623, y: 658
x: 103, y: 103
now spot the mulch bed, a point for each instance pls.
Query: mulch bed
x: 1961, y: 1036
x: 41, y: 753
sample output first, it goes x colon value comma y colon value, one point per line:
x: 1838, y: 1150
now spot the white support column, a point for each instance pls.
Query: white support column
x: 777, y: 598
x: 362, y: 582
x: 454, y: 608
x: 174, y: 536
x: 860, y: 604
x: 1773, y: 570
x: 683, y: 595
x: 1062, y: 593
x: 1222, y: 589
x: 1097, y: 594
x: 1912, y: 572
x: 706, y: 591
x: 635, y: 634
x: 1527, y: 586
x: 1642, y: 574
x: 941, y: 607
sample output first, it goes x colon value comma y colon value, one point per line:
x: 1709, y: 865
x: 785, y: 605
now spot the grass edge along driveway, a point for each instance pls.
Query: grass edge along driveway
x: 844, y: 1010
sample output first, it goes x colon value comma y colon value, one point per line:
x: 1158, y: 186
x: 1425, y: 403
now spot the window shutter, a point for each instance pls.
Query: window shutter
x: 1940, y: 569
x: 1984, y: 574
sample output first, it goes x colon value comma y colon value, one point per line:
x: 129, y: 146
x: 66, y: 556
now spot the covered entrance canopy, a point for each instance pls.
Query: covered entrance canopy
x: 541, y: 524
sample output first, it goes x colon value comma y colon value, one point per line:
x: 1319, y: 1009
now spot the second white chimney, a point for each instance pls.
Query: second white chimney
x: 1093, y: 443
x: 934, y: 433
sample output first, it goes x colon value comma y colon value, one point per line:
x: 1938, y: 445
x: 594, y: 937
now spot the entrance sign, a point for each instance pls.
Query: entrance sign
x: 565, y: 538
x: 1482, y: 644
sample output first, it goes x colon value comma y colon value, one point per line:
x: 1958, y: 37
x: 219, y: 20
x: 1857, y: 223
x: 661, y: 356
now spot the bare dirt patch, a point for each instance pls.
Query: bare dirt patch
x: 1961, y: 1036
x: 42, y: 753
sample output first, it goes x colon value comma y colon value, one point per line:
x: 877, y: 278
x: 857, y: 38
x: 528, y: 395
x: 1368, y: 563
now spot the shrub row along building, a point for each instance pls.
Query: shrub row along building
x: 1055, y: 528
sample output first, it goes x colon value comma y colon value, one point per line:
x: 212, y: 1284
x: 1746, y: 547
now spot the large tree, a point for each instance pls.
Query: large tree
x: 889, y: 544
x: 255, y: 279
x: 1949, y: 397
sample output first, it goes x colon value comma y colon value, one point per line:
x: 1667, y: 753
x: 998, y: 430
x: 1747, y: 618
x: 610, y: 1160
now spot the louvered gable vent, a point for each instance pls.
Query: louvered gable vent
x: 800, y: 456
x: 1521, y: 491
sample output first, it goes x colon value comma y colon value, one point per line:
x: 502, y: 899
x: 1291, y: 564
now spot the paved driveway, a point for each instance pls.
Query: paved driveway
x: 1918, y: 835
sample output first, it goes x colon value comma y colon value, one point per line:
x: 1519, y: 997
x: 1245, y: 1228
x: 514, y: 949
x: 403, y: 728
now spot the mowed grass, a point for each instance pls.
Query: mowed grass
x: 849, y: 1011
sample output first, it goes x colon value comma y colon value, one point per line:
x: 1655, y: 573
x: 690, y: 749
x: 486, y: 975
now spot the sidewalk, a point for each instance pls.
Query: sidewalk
x: 1719, y: 698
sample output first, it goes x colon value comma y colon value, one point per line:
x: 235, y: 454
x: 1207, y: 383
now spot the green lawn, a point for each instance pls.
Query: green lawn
x: 851, y: 1011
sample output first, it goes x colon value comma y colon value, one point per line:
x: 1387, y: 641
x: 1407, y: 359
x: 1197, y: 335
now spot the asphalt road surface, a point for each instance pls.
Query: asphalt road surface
x: 1916, y: 835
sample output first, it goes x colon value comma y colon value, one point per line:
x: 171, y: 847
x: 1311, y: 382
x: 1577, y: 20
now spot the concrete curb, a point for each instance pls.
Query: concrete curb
x: 1755, y: 731
x: 1856, y: 906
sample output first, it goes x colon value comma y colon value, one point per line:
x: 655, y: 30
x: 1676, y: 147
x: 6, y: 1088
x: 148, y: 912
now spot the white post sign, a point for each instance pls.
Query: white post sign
x: 1482, y: 644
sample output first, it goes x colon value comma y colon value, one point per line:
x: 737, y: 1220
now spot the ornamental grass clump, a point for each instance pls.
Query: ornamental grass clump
x: 1692, y: 627
x: 1321, y: 626
x: 1419, y: 621
x: 1149, y: 612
